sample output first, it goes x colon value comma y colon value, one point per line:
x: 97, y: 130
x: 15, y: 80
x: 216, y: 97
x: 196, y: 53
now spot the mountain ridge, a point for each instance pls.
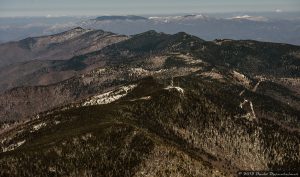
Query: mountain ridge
x: 142, y: 52
x: 54, y: 47
x: 156, y: 104
x: 177, y: 131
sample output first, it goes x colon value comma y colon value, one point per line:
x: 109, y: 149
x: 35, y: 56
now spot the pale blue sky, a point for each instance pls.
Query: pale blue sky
x: 117, y: 7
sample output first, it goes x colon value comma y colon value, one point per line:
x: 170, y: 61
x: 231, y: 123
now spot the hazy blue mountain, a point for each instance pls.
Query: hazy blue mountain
x: 269, y: 27
x: 129, y: 17
x: 209, y: 28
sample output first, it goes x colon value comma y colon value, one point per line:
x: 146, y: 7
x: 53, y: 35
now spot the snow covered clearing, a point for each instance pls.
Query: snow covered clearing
x: 142, y: 98
x: 179, y: 89
x: 189, y: 59
x: 241, y: 78
x: 13, y: 146
x: 110, y: 96
x: 38, y: 126
x: 213, y: 75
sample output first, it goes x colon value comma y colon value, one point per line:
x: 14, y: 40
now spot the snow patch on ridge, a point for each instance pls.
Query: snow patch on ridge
x: 38, y: 127
x: 241, y: 78
x: 167, y: 19
x: 142, y: 98
x: 251, y: 18
x: 110, y: 96
x: 179, y: 89
x: 213, y: 75
x: 13, y: 146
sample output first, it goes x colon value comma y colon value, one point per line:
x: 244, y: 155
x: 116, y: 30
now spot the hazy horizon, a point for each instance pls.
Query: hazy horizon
x: 15, y: 8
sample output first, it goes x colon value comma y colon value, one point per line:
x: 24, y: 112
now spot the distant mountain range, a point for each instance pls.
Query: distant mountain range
x: 150, y: 104
x: 129, y: 17
x: 209, y: 27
